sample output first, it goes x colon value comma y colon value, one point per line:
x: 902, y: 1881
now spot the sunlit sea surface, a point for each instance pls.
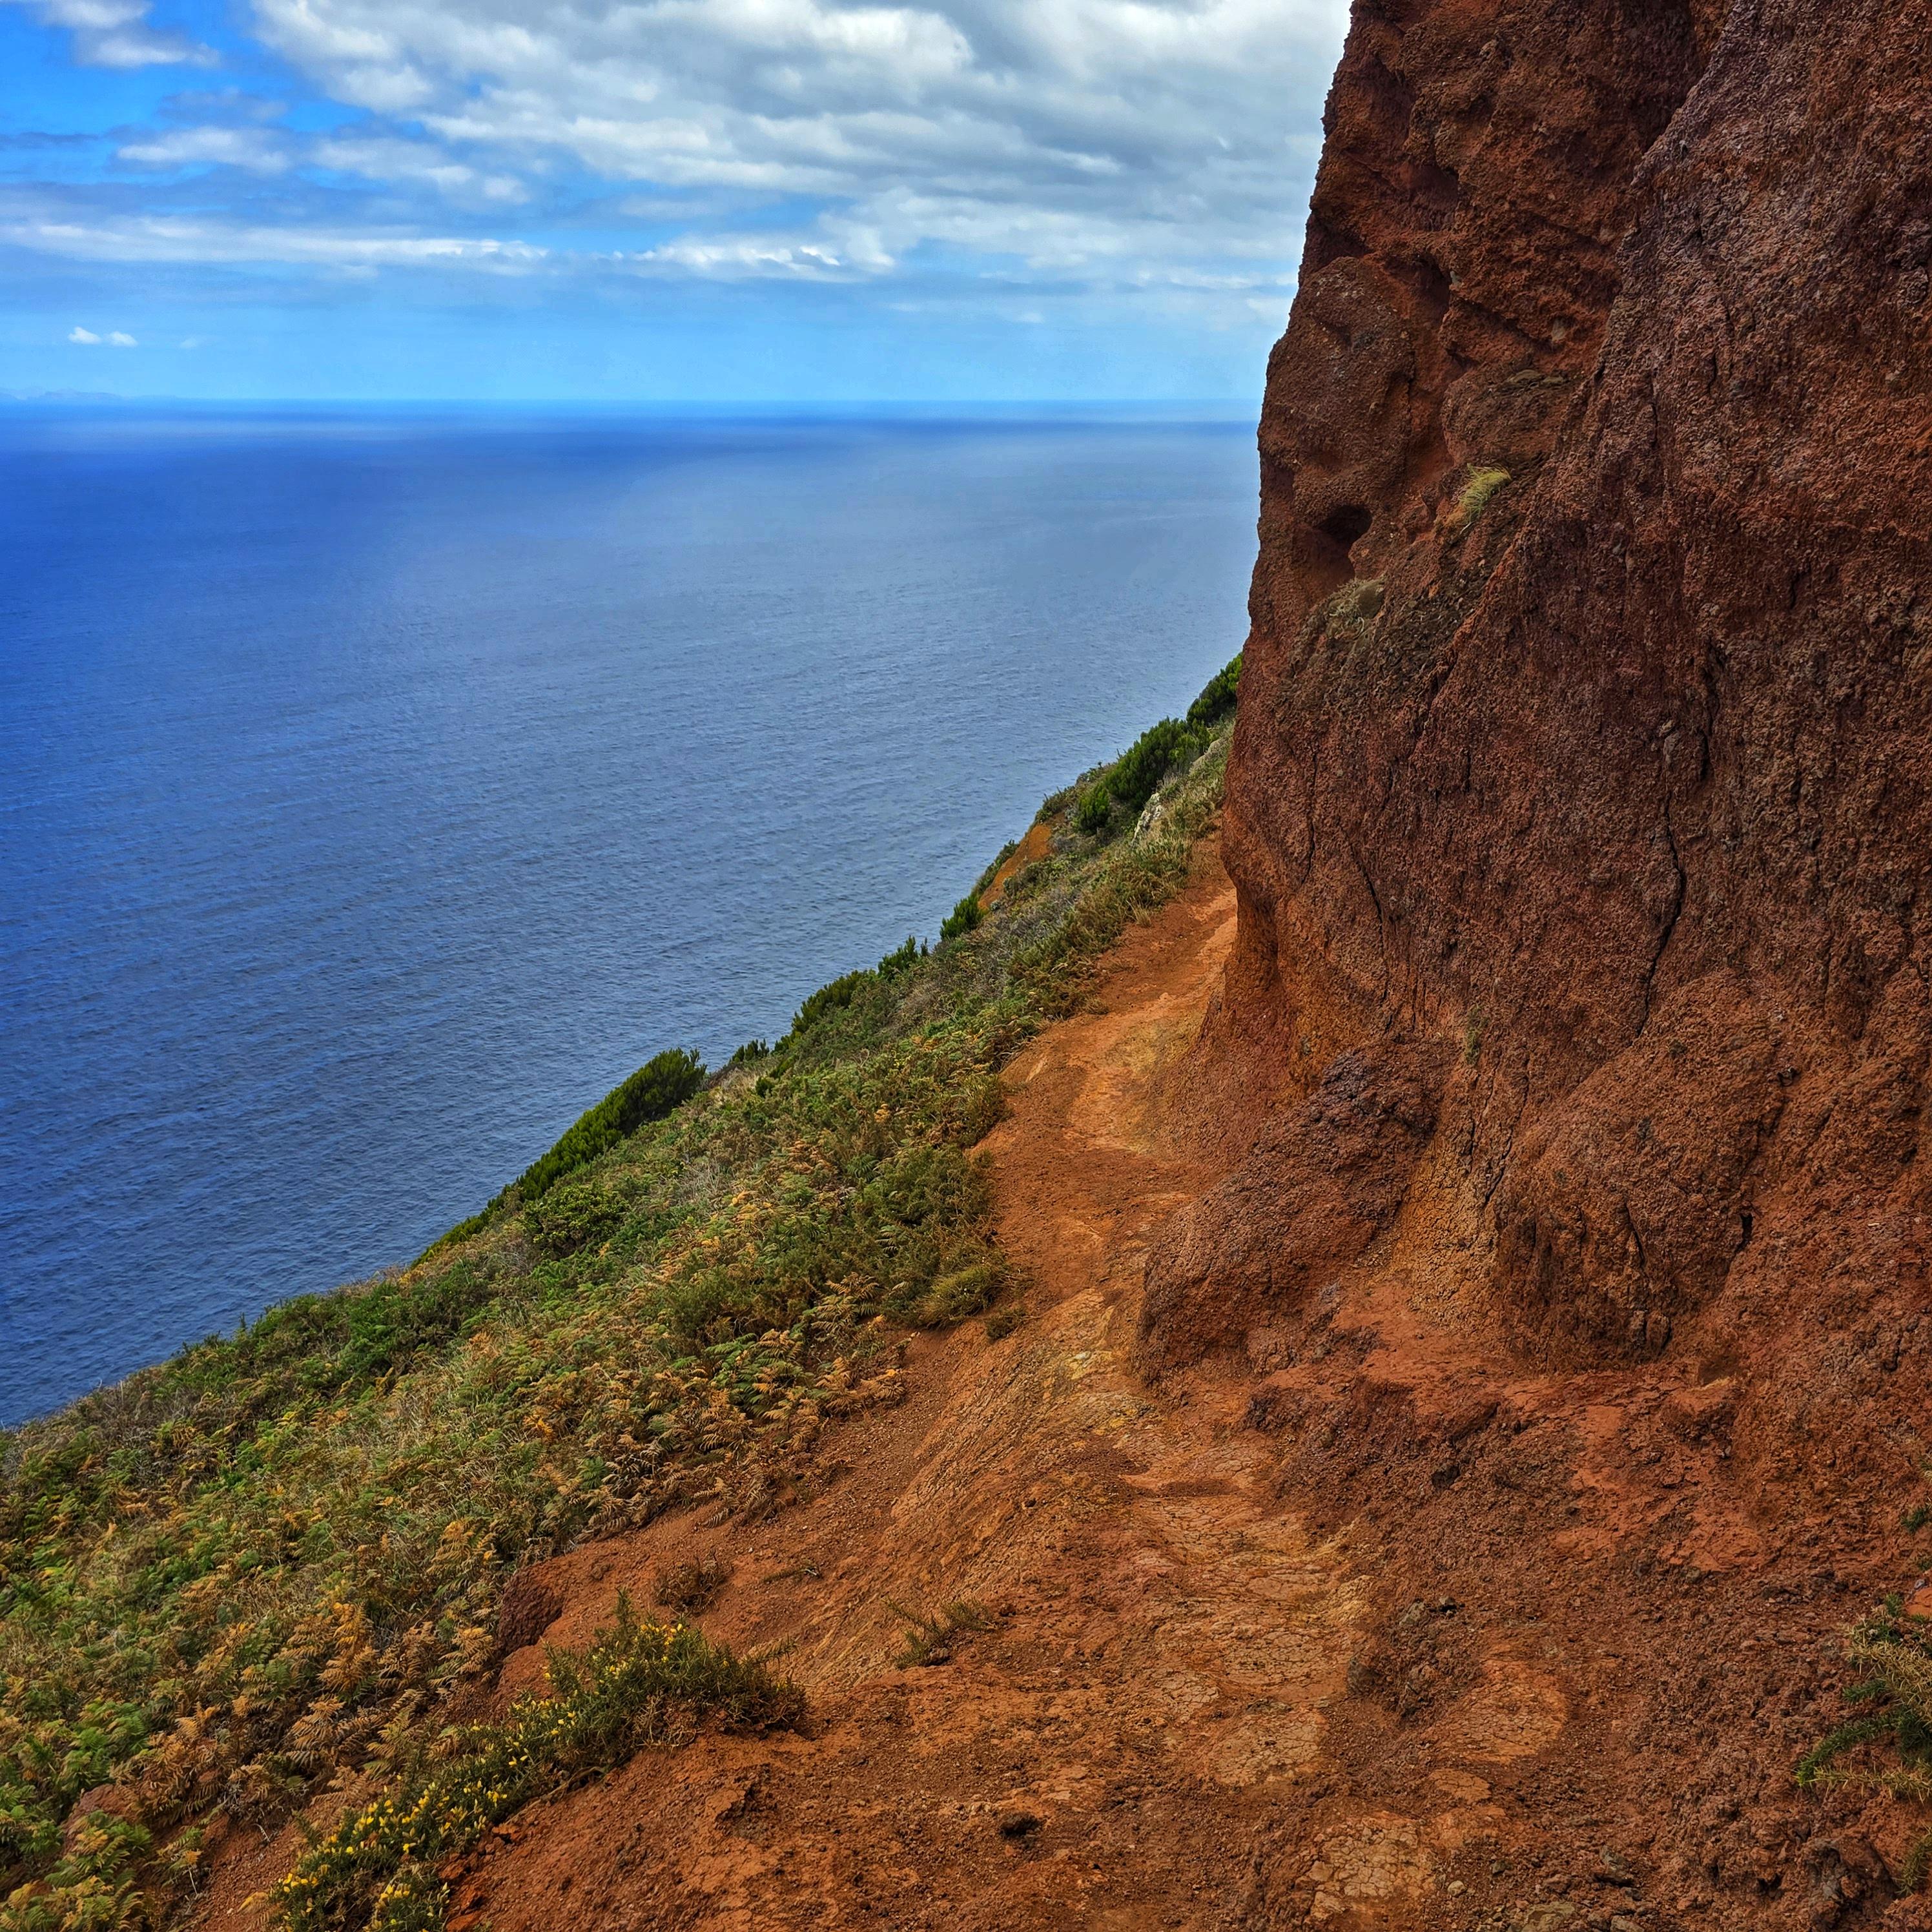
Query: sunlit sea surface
x: 376, y: 790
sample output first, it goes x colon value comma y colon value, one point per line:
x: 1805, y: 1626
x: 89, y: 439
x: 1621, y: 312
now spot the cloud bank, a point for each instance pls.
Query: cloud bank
x: 1029, y: 156
x: 1108, y: 137
x: 116, y: 33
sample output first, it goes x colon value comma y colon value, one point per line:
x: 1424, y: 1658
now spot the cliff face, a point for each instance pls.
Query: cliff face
x: 1586, y: 724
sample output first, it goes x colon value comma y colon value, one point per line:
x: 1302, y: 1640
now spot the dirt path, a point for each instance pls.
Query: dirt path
x: 1189, y: 1708
x: 1162, y: 1640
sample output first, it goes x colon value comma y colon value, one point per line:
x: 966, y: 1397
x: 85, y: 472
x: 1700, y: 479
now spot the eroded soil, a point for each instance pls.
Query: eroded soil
x: 1367, y: 1629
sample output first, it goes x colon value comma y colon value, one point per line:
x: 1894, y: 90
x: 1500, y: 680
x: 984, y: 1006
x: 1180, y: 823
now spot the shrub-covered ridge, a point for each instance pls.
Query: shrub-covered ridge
x: 274, y: 1557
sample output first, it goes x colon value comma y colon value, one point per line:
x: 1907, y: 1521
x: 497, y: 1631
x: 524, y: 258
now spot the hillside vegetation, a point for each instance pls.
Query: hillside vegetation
x: 279, y: 1557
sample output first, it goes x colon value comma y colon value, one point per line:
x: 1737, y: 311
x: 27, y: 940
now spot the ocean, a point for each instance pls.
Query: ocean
x: 378, y: 788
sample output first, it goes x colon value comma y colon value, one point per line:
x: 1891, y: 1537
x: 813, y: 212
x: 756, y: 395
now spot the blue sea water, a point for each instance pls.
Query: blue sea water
x: 377, y: 790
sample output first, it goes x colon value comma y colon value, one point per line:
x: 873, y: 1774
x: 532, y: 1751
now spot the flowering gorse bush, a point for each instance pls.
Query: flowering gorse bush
x: 642, y: 1684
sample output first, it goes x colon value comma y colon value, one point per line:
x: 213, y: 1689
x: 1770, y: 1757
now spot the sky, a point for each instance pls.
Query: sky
x: 670, y: 200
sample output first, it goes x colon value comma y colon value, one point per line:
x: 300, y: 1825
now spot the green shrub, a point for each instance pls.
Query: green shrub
x: 964, y: 917
x: 982, y: 1107
x: 575, y: 1214
x: 831, y: 999
x: 1893, y: 1736
x: 643, y: 1685
x: 1216, y: 700
x: 1096, y: 807
x: 866, y: 995
x: 658, y: 1088
x: 1138, y: 773
x: 1135, y: 776
x: 959, y: 1296
x: 751, y: 1050
x: 1150, y: 757
x: 394, y: 1321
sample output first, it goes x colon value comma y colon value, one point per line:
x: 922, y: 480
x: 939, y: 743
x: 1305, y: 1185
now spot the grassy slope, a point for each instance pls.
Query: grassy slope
x: 277, y: 1555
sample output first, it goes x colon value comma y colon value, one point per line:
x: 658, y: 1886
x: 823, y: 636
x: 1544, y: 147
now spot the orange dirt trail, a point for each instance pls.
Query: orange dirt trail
x: 1162, y: 1639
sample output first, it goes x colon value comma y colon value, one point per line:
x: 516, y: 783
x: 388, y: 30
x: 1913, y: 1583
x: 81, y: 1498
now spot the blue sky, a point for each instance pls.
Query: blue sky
x: 771, y: 200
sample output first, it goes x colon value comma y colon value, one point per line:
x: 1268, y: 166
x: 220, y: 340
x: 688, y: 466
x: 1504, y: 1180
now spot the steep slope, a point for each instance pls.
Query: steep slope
x: 1367, y: 1628
x: 1518, y: 1149
x: 288, y: 1561
x: 1185, y: 1693
x: 1581, y: 780
x: 1578, y: 814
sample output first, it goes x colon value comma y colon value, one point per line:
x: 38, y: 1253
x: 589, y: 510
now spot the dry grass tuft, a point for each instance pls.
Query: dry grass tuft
x: 1481, y: 486
x: 691, y: 1587
x: 932, y: 1638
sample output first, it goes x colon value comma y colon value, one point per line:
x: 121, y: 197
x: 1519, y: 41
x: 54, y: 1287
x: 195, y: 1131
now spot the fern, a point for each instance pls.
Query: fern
x: 1893, y: 1652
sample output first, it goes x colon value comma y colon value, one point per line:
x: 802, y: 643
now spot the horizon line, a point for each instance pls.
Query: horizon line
x: 1219, y: 404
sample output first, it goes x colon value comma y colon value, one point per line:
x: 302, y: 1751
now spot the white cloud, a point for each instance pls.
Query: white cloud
x: 384, y: 159
x: 380, y: 158
x: 120, y: 340
x: 115, y: 338
x: 1158, y: 149
x: 229, y: 103
x: 249, y: 148
x: 163, y: 239
x: 115, y: 33
x: 851, y: 252
x: 77, y: 333
x: 1068, y: 134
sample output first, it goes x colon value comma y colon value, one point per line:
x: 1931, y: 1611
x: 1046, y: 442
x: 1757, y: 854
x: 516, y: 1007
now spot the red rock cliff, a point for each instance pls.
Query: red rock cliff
x: 1579, y: 803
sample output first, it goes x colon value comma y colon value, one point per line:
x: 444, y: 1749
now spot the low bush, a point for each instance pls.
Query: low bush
x: 960, y: 1295
x: 1095, y: 808
x: 830, y: 998
x: 1171, y: 746
x: 658, y: 1088
x: 394, y: 1321
x: 574, y: 1214
x: 1216, y: 701
x: 643, y: 1684
x: 964, y: 918
x: 1887, y: 1746
x: 1150, y: 757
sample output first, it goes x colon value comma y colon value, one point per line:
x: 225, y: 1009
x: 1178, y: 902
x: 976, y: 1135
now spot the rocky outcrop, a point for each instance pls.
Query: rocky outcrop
x: 1326, y: 1178
x: 1586, y: 721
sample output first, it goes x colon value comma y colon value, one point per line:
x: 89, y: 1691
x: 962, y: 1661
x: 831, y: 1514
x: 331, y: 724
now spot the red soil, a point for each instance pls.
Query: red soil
x: 1037, y: 845
x: 1367, y: 1629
